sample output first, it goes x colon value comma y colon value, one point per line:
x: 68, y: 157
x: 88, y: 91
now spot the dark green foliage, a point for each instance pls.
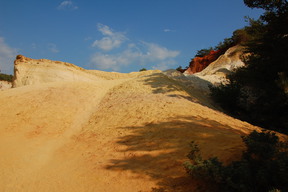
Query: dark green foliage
x: 180, y: 69
x: 262, y: 168
x: 262, y: 84
x: 239, y: 37
x: 225, y: 44
x: 227, y: 96
x: 222, y: 47
x: 203, y: 52
x: 143, y: 69
x: 269, y: 5
x: 5, y: 77
x: 207, y: 170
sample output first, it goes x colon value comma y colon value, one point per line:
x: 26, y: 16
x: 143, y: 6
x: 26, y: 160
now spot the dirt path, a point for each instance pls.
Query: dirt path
x: 38, y: 120
x: 125, y: 135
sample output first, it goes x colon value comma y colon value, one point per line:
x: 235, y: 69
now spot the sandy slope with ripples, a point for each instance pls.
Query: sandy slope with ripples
x: 127, y: 133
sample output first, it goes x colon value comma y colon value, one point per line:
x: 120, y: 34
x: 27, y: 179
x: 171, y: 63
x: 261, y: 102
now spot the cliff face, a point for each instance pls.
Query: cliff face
x: 199, y: 63
x: 31, y: 71
x: 37, y: 71
x: 62, y: 132
x: 5, y: 85
x: 216, y: 71
x: 228, y: 62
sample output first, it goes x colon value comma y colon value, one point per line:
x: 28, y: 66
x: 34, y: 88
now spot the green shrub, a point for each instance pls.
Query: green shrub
x: 262, y: 85
x: 262, y: 168
x: 240, y: 36
x: 180, y: 69
x: 225, y: 44
x: 227, y: 96
x: 203, y: 52
x: 5, y: 77
x: 143, y: 69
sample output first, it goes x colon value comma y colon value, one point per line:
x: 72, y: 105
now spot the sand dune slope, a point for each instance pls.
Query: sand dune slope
x: 129, y: 135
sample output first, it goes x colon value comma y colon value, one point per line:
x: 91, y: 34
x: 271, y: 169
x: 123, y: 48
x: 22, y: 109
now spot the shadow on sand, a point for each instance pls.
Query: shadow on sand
x: 161, y: 83
x: 158, y: 150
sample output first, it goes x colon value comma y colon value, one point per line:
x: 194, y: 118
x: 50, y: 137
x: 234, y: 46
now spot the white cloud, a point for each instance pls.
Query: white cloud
x: 160, y: 53
x: 34, y: 46
x: 150, y: 55
x: 105, y: 30
x: 104, y: 61
x: 143, y: 55
x: 168, y: 30
x: 69, y: 5
x: 7, y: 56
x: 111, y: 40
x: 107, y: 43
x: 53, y: 48
x: 164, y: 65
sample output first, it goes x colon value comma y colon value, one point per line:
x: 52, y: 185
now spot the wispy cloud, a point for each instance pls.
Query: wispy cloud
x: 158, y: 52
x: 129, y: 53
x: 68, y: 5
x: 168, y: 30
x: 105, y: 61
x: 7, y: 56
x: 164, y: 65
x: 111, y: 39
x: 142, y: 55
x: 53, y: 48
x: 34, y: 46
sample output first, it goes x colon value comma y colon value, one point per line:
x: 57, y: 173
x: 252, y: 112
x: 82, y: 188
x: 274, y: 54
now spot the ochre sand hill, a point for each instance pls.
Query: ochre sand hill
x: 5, y: 85
x: 108, y: 133
x: 125, y: 135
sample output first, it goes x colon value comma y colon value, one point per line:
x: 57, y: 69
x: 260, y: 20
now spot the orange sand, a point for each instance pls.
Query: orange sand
x: 123, y: 135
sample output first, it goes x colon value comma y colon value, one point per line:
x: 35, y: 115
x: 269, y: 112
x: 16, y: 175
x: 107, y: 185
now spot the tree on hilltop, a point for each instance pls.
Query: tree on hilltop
x: 258, y: 92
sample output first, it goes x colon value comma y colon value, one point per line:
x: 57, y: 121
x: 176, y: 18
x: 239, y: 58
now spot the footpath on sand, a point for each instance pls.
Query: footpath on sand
x: 36, y: 121
x: 119, y: 135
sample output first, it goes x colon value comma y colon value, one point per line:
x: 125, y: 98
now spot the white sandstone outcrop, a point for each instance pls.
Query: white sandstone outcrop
x: 37, y: 71
x: 124, y: 132
x: 217, y: 71
x: 214, y: 74
x: 32, y: 71
x: 5, y: 85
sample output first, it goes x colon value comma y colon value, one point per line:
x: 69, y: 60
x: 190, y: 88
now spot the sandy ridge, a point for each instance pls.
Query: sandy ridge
x: 43, y: 118
x: 127, y: 134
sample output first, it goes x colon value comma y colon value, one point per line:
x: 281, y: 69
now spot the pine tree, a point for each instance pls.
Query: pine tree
x: 261, y: 86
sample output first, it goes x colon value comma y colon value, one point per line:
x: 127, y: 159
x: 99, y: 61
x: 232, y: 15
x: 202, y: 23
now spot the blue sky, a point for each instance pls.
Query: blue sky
x: 116, y: 35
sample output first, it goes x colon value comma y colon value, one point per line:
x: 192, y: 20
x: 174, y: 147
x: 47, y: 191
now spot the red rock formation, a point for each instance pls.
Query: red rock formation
x: 199, y: 63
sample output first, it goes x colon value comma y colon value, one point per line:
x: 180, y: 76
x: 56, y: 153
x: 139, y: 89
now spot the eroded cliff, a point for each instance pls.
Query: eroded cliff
x: 217, y: 70
x: 37, y: 71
